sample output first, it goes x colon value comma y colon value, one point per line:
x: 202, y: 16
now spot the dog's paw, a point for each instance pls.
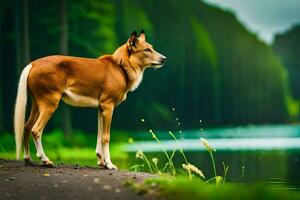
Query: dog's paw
x: 111, y: 166
x: 28, y: 161
x: 47, y: 163
x: 101, y: 164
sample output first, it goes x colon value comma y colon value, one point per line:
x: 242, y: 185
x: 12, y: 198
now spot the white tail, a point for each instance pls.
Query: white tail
x: 20, y: 109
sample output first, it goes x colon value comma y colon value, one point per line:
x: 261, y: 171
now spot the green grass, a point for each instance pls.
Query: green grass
x: 79, y: 148
x: 183, y: 188
x: 186, y: 168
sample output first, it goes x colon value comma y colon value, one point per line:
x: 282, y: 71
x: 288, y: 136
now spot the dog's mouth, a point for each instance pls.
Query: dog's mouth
x: 157, y: 65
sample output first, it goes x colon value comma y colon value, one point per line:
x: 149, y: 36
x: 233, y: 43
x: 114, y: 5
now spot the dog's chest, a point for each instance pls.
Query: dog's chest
x: 137, y: 81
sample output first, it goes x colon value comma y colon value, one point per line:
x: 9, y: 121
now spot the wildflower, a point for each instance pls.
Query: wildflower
x: 139, y: 154
x: 180, y: 131
x: 142, y: 120
x: 152, y: 133
x: 207, y: 145
x: 130, y: 140
x: 177, y: 119
x: 200, y: 120
x: 155, y: 160
x: 219, y: 180
x: 189, y: 167
x: 173, y: 109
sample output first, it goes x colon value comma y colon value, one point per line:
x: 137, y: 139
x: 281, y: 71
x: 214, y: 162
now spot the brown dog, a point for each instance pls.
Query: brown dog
x: 101, y: 83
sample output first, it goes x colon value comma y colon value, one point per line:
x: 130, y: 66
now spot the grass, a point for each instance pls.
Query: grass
x: 169, y: 168
x: 182, y: 188
x: 79, y: 148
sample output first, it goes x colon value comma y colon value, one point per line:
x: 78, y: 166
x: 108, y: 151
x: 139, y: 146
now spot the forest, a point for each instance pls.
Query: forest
x: 217, y: 71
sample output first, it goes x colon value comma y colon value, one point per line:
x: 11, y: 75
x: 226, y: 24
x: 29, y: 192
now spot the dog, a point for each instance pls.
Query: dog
x: 100, y: 83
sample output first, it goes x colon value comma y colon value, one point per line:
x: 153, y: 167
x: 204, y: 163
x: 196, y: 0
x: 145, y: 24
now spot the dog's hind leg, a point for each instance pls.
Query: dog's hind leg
x: 46, y: 109
x: 28, y: 126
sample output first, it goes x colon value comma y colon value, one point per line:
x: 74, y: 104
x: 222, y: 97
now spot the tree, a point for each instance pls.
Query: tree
x: 2, y: 127
x: 26, y: 40
x: 286, y: 45
x: 63, y: 48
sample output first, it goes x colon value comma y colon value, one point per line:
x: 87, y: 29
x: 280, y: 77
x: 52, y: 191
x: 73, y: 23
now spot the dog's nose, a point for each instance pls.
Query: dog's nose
x: 163, y: 59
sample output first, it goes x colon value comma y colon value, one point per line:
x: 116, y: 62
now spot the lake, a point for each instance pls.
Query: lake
x: 268, y: 154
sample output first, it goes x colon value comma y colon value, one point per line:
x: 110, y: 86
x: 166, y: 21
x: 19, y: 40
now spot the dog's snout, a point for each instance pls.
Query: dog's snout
x: 163, y: 59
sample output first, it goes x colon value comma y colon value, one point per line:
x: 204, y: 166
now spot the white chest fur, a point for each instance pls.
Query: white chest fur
x: 137, y: 81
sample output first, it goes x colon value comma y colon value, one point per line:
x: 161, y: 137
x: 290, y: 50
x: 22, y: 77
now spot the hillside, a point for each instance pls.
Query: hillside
x: 286, y: 45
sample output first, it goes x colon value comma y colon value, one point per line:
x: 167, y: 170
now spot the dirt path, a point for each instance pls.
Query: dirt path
x: 18, y: 181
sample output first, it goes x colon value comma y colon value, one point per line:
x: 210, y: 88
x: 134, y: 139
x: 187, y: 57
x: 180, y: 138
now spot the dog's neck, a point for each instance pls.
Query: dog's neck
x: 132, y: 74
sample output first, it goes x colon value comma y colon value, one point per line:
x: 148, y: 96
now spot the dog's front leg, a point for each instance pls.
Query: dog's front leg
x: 99, y: 152
x: 107, y: 112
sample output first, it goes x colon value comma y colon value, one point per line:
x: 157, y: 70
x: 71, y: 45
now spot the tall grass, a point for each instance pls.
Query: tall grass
x: 168, y: 168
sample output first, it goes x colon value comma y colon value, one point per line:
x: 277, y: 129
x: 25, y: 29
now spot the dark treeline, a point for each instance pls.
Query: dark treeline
x: 287, y: 46
x: 216, y: 71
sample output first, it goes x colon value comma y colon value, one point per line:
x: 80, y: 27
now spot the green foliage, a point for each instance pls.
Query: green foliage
x: 250, y: 73
x: 79, y: 148
x: 137, y: 21
x: 92, y: 28
x: 7, y: 142
x: 181, y: 188
x: 286, y: 45
x: 155, y: 165
x: 203, y: 43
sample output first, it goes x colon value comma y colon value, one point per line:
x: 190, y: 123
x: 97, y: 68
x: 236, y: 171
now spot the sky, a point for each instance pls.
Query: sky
x: 263, y: 17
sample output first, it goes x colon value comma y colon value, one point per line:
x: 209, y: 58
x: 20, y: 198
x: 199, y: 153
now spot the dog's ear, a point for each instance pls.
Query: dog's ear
x: 132, y: 40
x: 142, y: 35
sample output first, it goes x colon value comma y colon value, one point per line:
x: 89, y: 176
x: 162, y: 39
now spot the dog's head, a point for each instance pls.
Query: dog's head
x: 142, y: 53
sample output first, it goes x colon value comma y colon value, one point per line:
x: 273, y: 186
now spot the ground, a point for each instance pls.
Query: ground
x: 20, y: 181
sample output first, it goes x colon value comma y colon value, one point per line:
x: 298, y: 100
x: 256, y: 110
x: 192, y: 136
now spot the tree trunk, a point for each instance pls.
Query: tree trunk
x: 26, y: 42
x: 63, y: 47
x: 2, y: 127
x: 19, y: 63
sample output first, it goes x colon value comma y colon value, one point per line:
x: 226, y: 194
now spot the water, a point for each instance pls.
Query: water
x: 268, y: 154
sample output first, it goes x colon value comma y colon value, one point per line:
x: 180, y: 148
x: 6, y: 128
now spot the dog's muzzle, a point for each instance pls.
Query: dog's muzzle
x: 163, y: 60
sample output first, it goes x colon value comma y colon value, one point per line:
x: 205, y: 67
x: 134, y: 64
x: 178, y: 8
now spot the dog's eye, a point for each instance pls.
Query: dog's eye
x: 147, y: 50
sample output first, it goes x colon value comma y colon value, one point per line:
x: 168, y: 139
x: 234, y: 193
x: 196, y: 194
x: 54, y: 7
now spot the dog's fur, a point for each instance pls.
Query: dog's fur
x: 101, y: 83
